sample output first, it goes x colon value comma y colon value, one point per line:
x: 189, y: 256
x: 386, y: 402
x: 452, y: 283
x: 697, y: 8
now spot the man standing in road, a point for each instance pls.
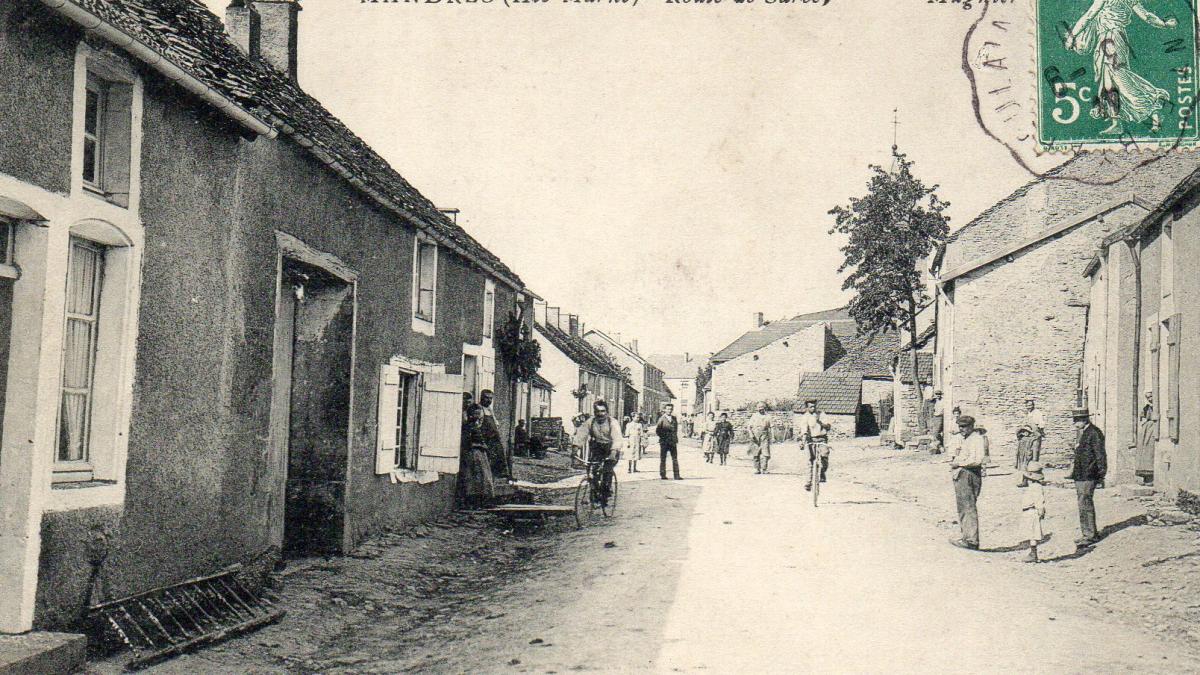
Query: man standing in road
x: 668, y: 441
x: 1036, y: 421
x: 967, y: 474
x: 1088, y: 470
x: 759, y: 426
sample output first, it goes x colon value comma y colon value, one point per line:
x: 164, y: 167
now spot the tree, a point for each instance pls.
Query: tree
x: 891, y: 229
x: 703, y: 377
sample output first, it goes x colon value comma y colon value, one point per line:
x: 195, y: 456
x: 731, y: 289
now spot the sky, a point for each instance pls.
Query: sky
x: 665, y: 170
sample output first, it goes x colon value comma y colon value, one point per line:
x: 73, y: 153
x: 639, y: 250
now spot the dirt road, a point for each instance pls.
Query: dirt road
x: 722, y: 572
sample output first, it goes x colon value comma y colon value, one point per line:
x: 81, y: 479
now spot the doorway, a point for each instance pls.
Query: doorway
x: 313, y: 363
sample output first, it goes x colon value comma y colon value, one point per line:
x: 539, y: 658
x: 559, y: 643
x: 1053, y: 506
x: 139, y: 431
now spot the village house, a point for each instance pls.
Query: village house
x: 649, y: 391
x: 227, y: 326
x: 1012, y: 306
x: 765, y: 363
x: 1143, y: 315
x: 862, y: 373
x: 579, y: 373
x: 681, y: 373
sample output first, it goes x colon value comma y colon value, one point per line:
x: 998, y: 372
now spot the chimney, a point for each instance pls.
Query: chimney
x: 243, y: 25
x: 633, y: 346
x: 687, y: 357
x: 279, y: 23
x: 573, y: 324
x: 758, y: 319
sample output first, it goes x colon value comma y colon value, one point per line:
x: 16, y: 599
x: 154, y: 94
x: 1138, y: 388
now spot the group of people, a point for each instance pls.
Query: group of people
x: 715, y: 437
x: 483, y: 459
x: 971, y: 457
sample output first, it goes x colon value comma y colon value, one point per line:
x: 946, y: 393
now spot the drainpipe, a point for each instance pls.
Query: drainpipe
x: 1135, y: 255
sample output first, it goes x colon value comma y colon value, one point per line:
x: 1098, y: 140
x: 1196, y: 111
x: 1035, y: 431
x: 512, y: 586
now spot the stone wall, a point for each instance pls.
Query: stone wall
x: 1018, y: 332
x: 772, y: 372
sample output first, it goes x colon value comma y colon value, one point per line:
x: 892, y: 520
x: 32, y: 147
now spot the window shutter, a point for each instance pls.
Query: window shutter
x: 1173, y: 338
x: 441, y: 422
x: 487, y: 374
x: 385, y: 430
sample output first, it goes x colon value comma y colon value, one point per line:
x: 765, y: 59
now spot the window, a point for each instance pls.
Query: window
x: 396, y: 446
x: 489, y: 308
x: 7, y: 241
x: 107, y: 121
x: 85, y: 273
x: 425, y: 280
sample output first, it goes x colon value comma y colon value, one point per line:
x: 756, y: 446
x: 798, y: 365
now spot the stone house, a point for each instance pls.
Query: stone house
x: 1143, y: 314
x: 680, y: 375
x: 765, y: 363
x: 864, y: 362
x: 1012, y: 306
x: 228, y: 328
x: 579, y: 373
x: 649, y: 390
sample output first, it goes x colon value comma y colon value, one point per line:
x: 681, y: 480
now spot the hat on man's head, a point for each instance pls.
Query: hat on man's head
x: 965, y: 420
x: 1077, y: 413
x: 1026, y: 428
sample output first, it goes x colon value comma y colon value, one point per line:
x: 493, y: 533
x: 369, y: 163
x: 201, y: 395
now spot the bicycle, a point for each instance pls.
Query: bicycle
x: 590, y: 494
x: 818, y: 453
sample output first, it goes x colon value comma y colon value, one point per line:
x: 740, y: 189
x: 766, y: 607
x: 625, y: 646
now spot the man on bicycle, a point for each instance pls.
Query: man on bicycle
x: 601, y: 438
x: 813, y: 431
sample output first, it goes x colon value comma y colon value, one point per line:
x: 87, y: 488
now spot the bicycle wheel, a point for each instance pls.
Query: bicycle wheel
x: 584, y: 508
x: 611, y: 506
x: 815, y: 475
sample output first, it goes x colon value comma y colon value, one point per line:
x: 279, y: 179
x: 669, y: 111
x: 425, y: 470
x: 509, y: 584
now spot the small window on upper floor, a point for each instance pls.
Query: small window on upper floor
x: 107, y: 123
x: 425, y: 280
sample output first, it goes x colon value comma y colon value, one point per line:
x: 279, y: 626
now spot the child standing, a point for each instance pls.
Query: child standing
x: 1033, y: 505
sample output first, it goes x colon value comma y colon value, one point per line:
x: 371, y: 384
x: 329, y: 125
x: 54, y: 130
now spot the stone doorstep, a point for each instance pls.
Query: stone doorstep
x: 42, y: 653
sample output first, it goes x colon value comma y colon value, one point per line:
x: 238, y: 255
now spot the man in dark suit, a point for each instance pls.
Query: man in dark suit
x: 1091, y: 464
x: 668, y: 441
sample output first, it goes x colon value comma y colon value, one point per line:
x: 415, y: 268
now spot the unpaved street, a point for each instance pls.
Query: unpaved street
x: 723, y: 572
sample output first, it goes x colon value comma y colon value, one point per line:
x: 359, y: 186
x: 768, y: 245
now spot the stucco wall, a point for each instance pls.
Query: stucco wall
x: 772, y: 372
x: 37, y: 56
x: 1184, y: 470
x: 1018, y: 331
x: 198, y: 475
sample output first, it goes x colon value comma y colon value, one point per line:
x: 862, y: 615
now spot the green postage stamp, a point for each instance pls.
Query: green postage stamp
x: 1116, y: 73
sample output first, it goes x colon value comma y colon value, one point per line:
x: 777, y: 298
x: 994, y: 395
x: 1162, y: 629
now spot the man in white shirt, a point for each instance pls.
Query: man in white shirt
x: 813, y: 431
x: 1036, y: 421
x: 759, y: 426
x: 967, y: 474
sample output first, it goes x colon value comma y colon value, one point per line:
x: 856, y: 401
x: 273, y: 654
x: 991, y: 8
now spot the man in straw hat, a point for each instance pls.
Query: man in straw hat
x: 967, y: 474
x: 1088, y: 470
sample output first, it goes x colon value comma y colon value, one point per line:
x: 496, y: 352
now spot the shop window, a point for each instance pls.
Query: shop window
x: 85, y: 275
x: 107, y: 124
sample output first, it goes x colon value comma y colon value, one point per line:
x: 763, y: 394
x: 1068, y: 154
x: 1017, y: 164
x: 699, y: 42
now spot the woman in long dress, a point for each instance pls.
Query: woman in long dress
x: 1147, y: 439
x: 1122, y: 95
x: 633, y: 442
x: 477, y: 484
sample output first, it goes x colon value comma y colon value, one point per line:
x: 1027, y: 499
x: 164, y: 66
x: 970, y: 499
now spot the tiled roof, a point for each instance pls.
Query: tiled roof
x: 839, y: 319
x: 835, y: 314
x: 924, y: 364
x: 578, y: 350
x: 187, y: 35
x: 540, y: 382
x: 837, y: 394
x: 668, y: 392
x: 869, y: 357
x: 1088, y: 181
x: 676, y: 366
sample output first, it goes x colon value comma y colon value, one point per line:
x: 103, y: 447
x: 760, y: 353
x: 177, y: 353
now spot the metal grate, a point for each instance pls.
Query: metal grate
x: 168, y: 621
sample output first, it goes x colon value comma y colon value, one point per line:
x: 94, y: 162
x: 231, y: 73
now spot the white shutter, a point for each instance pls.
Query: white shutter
x: 385, y: 430
x: 487, y: 375
x: 441, y: 422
